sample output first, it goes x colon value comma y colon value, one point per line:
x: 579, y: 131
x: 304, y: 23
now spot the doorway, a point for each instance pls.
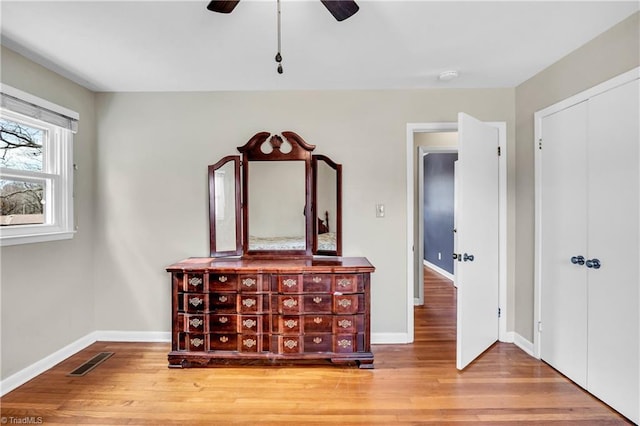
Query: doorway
x: 438, y: 211
x: 415, y: 253
x: 435, y: 205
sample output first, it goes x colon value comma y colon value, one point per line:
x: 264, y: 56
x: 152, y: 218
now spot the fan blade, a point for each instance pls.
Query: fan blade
x: 222, y: 6
x: 341, y: 9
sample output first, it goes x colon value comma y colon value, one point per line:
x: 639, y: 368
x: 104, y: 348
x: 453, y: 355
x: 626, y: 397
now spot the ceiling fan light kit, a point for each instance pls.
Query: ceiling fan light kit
x: 340, y: 9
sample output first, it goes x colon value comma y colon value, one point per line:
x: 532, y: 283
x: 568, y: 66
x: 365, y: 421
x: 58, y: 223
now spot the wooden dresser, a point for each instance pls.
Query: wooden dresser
x: 275, y: 311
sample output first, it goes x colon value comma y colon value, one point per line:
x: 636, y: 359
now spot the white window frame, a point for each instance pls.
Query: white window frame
x: 56, y: 175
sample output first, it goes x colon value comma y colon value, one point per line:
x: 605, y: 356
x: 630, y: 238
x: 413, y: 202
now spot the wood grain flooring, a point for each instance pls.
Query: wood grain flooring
x: 411, y: 384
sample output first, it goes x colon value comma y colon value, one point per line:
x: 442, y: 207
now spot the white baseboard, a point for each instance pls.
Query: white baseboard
x: 506, y: 337
x: 39, y: 367
x: 133, y: 336
x: 439, y: 270
x: 389, y: 338
x: 524, y: 344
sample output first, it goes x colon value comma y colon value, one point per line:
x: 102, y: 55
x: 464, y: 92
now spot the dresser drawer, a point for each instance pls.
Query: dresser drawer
x: 223, y: 323
x: 318, y: 323
x: 317, y: 303
x: 295, y: 324
x: 254, y: 324
x: 193, y: 302
x: 193, y: 283
x: 253, y: 343
x: 288, y: 324
x: 223, y: 282
x: 289, y: 304
x: 317, y: 343
x: 348, y: 324
x: 253, y: 284
x: 289, y: 283
x: 223, y: 302
x: 352, y: 283
x: 317, y: 283
x: 223, y: 342
x: 289, y: 344
x: 345, y: 343
x: 192, y: 323
x: 307, y: 283
x: 253, y: 303
x: 192, y: 342
x: 347, y: 303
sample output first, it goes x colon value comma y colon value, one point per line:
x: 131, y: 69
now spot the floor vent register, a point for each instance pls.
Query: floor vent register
x: 91, y: 364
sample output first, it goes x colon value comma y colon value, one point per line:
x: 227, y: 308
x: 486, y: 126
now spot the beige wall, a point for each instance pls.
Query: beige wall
x: 47, y: 288
x: 152, y: 163
x: 435, y: 140
x: 610, y: 54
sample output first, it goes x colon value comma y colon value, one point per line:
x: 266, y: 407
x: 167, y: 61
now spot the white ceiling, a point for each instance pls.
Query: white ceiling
x: 181, y: 46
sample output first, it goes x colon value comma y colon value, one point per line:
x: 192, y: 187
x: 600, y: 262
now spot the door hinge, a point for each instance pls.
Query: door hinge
x: 539, y: 326
x: 539, y: 143
x: 499, y: 312
x: 499, y: 151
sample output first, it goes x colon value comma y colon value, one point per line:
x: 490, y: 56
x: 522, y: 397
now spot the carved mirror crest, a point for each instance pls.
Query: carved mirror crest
x: 284, y: 201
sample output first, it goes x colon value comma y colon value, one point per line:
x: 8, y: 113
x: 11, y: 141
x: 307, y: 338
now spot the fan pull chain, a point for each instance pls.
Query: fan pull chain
x: 278, y: 55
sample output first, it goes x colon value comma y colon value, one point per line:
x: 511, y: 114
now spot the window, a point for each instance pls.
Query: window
x: 36, y: 169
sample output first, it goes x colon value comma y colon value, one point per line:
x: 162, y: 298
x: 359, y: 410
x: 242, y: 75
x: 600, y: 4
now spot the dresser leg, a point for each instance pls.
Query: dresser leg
x: 366, y: 364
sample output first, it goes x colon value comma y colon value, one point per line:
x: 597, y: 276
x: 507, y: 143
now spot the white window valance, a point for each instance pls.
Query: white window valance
x: 39, y: 109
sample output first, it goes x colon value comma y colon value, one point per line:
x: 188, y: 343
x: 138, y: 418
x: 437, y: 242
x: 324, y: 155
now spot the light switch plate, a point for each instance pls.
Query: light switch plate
x: 380, y: 210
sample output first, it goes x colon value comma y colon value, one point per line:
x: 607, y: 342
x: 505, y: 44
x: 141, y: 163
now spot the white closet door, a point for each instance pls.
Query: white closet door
x: 563, y: 236
x: 613, y: 238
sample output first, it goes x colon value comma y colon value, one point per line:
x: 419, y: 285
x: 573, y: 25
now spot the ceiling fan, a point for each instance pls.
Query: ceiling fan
x: 340, y: 9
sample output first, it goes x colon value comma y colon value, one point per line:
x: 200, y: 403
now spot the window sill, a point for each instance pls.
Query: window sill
x: 10, y: 240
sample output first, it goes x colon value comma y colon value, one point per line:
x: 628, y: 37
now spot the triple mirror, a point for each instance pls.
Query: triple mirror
x: 275, y: 199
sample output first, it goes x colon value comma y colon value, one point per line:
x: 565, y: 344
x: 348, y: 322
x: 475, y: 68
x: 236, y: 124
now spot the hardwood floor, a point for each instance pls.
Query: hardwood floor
x: 411, y: 384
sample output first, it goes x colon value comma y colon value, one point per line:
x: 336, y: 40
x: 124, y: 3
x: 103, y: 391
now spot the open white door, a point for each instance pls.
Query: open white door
x: 477, y: 226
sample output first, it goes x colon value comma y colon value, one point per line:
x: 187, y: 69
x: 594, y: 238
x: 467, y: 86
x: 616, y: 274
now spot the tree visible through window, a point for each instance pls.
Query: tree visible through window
x: 21, y: 148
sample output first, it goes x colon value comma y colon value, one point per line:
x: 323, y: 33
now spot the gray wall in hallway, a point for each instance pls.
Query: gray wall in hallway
x: 439, y: 209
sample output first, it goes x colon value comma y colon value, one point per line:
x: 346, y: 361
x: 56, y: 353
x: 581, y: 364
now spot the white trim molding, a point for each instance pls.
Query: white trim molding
x: 390, y: 338
x: 411, y: 256
x: 523, y: 344
x: 134, y: 336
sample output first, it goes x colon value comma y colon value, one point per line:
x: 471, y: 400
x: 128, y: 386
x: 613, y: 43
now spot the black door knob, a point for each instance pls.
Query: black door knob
x: 577, y: 260
x: 593, y: 263
x: 467, y: 257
